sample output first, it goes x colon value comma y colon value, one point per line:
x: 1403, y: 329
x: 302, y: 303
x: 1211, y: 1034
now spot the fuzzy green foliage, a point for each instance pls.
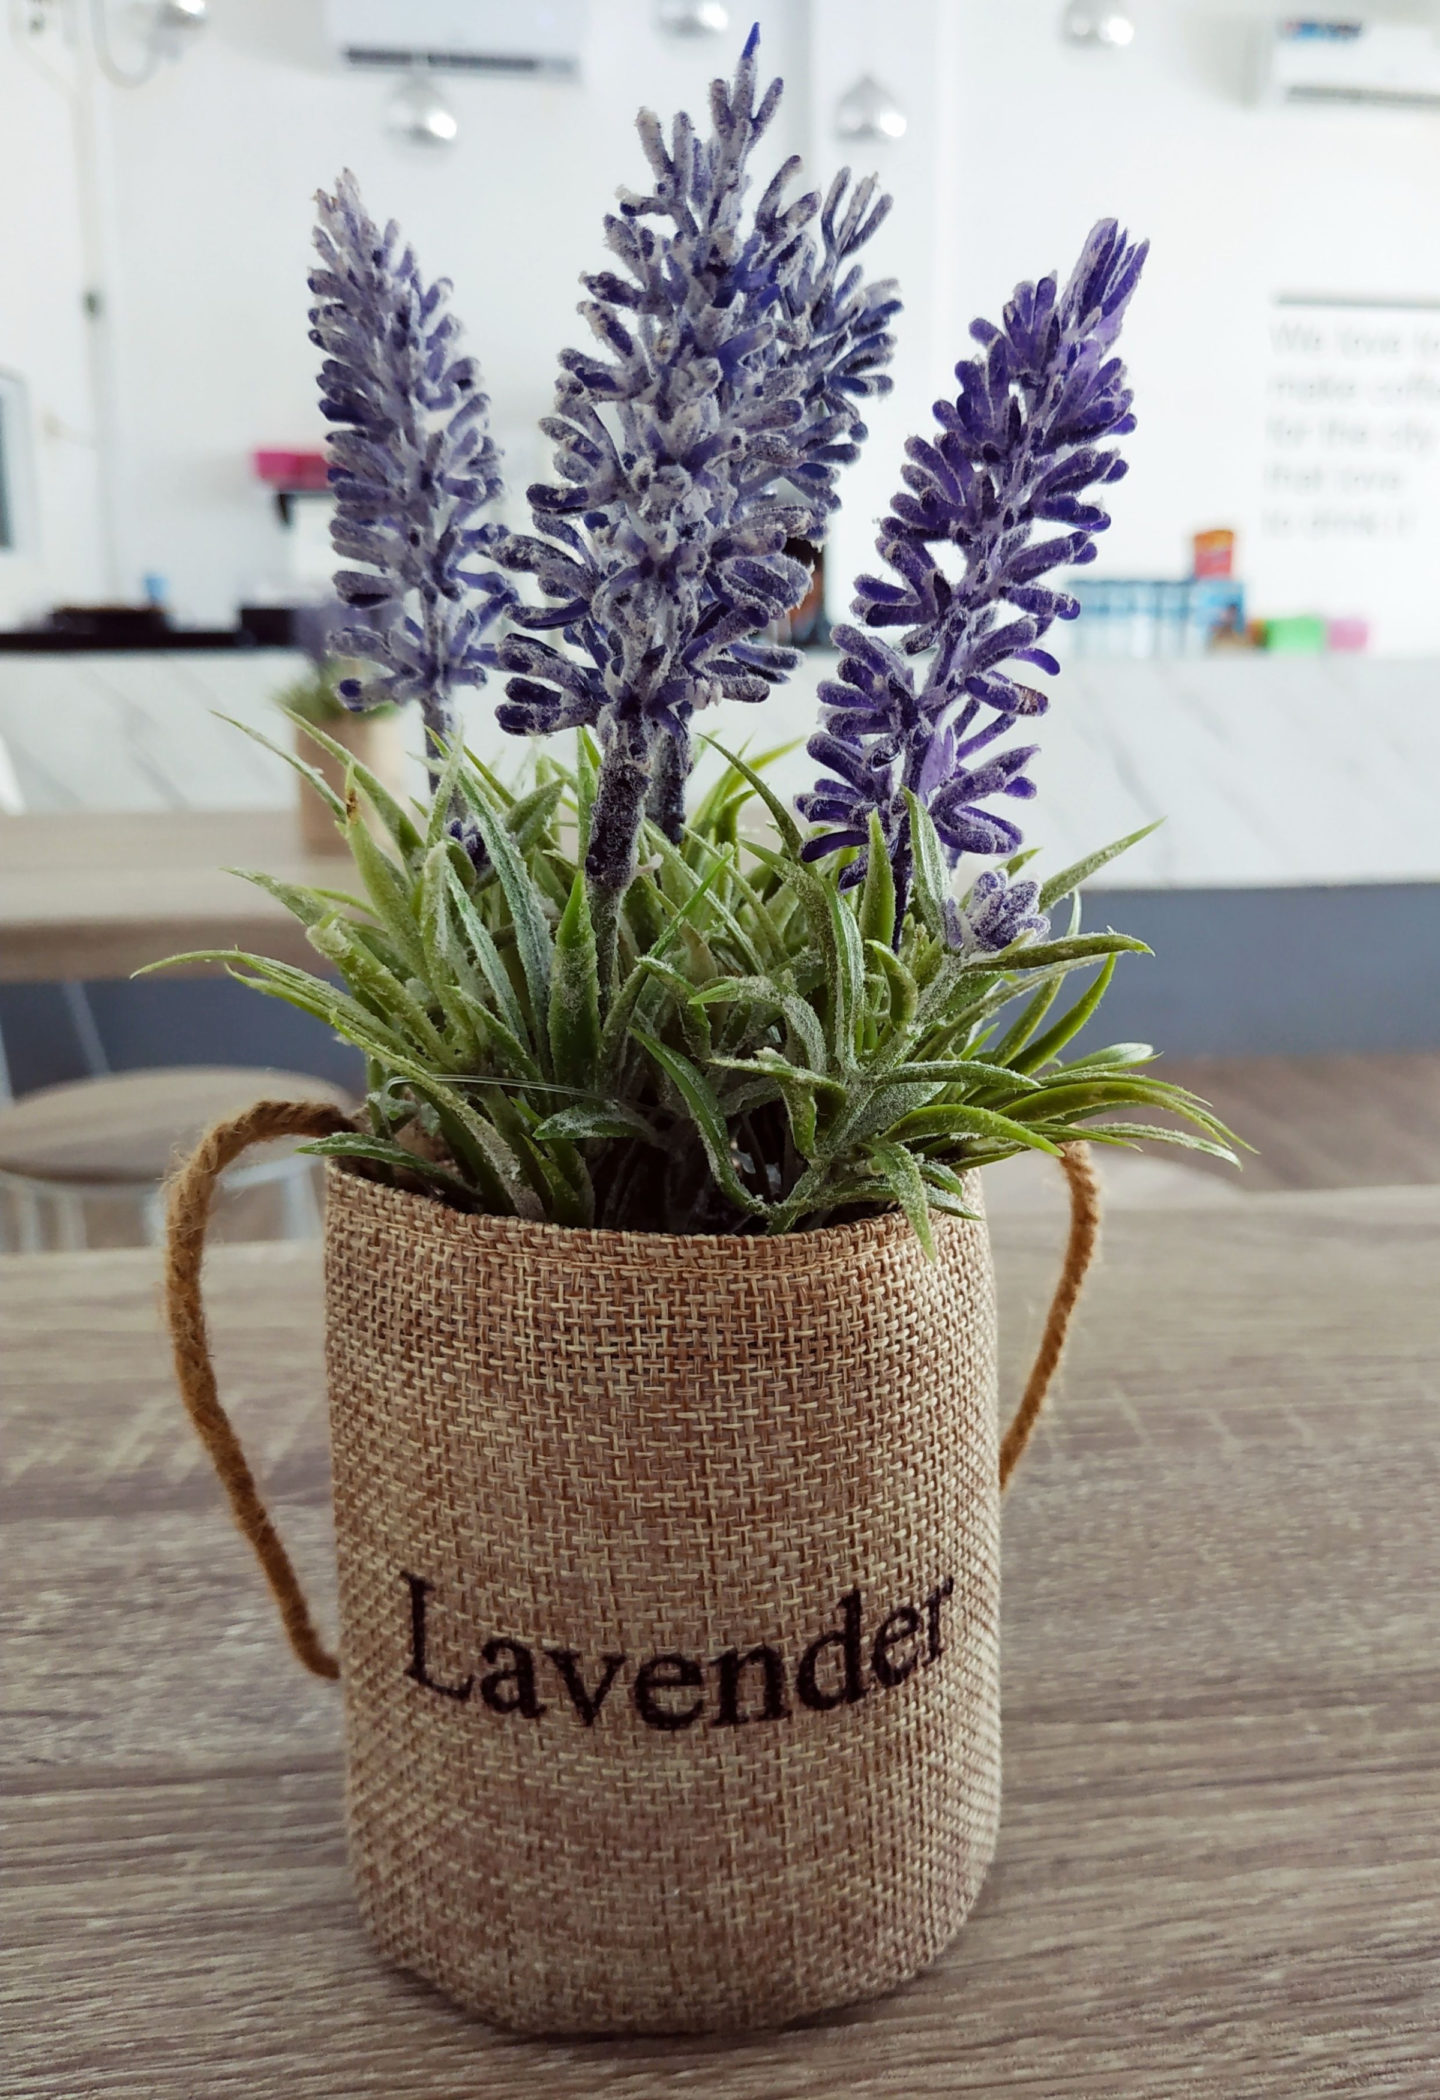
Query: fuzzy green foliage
x: 766, y: 1056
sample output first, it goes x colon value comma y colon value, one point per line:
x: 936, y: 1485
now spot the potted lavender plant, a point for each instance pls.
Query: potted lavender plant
x: 660, y: 1327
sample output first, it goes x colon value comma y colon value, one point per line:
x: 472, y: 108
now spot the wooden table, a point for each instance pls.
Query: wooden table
x: 95, y: 894
x: 1217, y: 1871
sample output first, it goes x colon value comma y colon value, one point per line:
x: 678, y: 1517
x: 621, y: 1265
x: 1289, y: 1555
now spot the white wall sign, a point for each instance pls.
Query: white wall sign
x: 1350, y: 514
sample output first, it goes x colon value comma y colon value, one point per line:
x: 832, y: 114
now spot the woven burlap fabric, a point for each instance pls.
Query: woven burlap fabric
x: 598, y: 1445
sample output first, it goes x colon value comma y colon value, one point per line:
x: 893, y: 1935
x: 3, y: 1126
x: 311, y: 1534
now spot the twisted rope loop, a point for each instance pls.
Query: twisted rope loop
x: 191, y: 1197
x: 192, y: 1194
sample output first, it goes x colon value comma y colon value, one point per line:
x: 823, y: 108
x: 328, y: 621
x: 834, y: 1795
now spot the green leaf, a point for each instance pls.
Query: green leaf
x: 904, y: 992
x: 384, y: 1153
x: 333, y: 802
x: 1069, y: 1024
x: 901, y: 1176
x: 1129, y: 1134
x: 581, y: 1121
x: 1081, y: 870
x: 397, y: 821
x: 471, y: 928
x: 785, y: 824
x: 575, y: 993
x: 705, y: 1113
x: 307, y: 905
x: 877, y: 897
x: 774, y: 1066
x: 527, y: 914
x: 390, y: 892
x: 587, y: 778
x: 1095, y: 1095
x: 1025, y: 1024
x: 443, y: 800
x: 337, y: 942
x: 959, y: 1071
x: 1085, y: 947
x: 1128, y: 1055
x: 838, y: 937
x: 931, y: 884
x: 527, y: 819
x: 956, y: 1119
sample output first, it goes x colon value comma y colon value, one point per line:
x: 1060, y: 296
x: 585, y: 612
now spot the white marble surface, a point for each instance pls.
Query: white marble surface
x: 1268, y: 770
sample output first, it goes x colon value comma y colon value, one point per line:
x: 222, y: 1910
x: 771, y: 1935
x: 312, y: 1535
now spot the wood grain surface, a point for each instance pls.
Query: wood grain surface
x: 94, y: 893
x: 1217, y: 1872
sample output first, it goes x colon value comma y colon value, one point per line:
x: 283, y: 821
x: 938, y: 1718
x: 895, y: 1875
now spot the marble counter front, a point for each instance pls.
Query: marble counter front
x: 1269, y: 771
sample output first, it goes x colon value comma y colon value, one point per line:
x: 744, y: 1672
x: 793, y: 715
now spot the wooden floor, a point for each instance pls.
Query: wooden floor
x: 1323, y: 1122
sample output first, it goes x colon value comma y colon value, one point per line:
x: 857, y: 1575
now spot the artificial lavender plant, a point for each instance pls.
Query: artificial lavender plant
x: 591, y: 998
x: 412, y: 466
x: 1021, y: 446
x: 709, y: 434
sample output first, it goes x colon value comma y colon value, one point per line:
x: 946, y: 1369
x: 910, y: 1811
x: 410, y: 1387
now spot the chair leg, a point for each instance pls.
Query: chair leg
x: 69, y: 1221
x: 23, y: 1204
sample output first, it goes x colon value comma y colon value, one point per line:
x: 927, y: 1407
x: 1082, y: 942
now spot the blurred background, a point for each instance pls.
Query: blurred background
x: 1257, y: 661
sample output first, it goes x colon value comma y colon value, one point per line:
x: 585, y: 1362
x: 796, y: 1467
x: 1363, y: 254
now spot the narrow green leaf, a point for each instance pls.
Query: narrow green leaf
x: 397, y: 820
x: 1130, y: 1134
x: 307, y: 905
x: 1085, y: 947
x: 527, y: 915
x: 773, y: 1065
x: 1069, y: 1024
x: 575, y: 993
x: 333, y: 802
x: 384, y: 1152
x: 785, y: 824
x: 705, y: 1113
x: 931, y: 883
x: 948, y: 1120
x: 1024, y: 1025
x: 390, y: 891
x: 1081, y: 870
x: 877, y: 897
x: 471, y: 928
x: 901, y: 1176
x: 581, y: 1121
x: 443, y: 801
x: 959, y: 1071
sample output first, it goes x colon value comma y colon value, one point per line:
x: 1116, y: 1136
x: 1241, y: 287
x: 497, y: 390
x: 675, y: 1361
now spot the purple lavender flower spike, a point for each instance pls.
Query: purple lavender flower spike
x: 708, y: 431
x: 1019, y: 447
x: 412, y: 466
x: 998, y: 912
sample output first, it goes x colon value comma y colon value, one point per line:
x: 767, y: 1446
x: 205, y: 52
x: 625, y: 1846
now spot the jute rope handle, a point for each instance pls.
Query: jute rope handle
x: 192, y: 1195
x: 1079, y: 1253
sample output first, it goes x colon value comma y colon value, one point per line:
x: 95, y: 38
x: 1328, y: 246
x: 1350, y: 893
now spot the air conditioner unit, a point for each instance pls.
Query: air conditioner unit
x: 1344, y: 60
x: 463, y: 36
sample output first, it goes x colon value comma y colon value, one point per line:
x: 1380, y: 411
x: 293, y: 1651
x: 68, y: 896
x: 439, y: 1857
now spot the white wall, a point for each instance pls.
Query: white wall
x: 1033, y: 140
x: 216, y: 167
x: 43, y: 329
x: 1015, y: 144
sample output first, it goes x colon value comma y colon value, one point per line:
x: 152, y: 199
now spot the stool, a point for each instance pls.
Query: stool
x: 85, y: 1163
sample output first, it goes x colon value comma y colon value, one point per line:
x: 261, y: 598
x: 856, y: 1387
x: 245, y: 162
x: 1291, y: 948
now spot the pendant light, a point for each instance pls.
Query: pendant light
x: 417, y: 114
x: 869, y: 112
x: 1103, y: 23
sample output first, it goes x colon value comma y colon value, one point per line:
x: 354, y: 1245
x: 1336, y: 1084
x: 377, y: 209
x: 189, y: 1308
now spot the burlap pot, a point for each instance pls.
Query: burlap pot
x: 669, y: 1606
